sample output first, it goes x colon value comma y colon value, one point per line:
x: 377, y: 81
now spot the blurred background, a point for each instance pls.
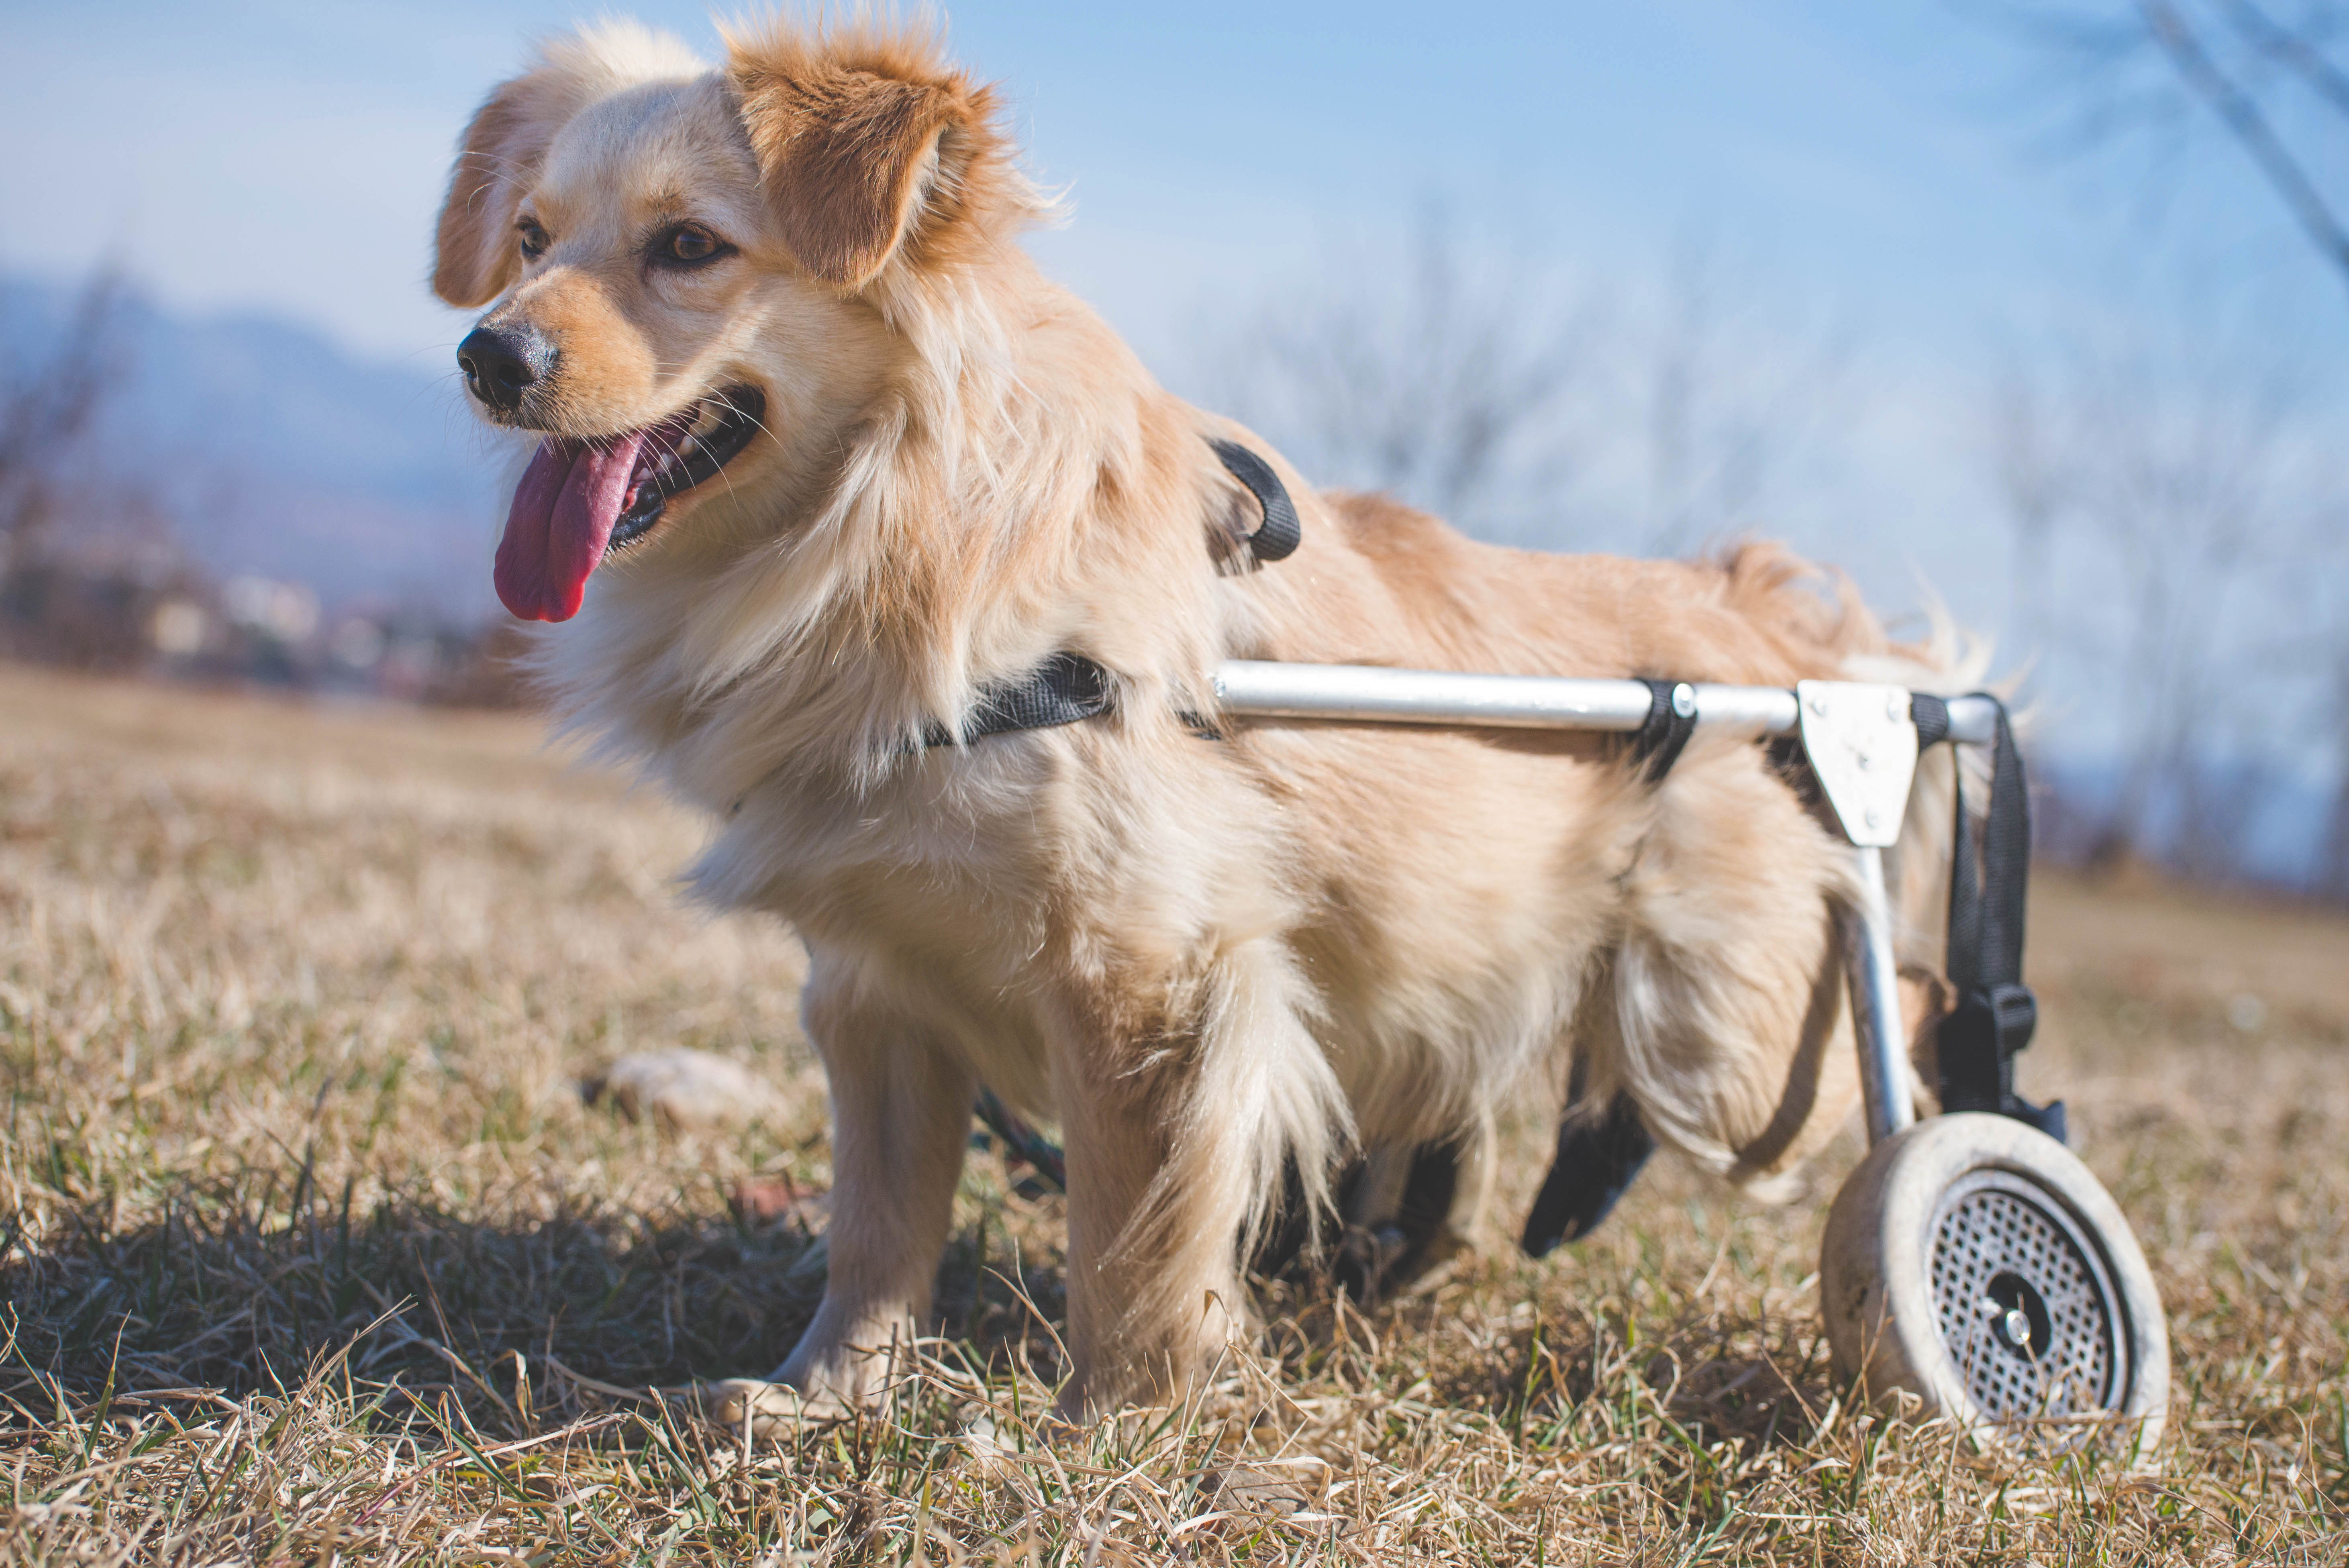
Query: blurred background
x: 2037, y: 308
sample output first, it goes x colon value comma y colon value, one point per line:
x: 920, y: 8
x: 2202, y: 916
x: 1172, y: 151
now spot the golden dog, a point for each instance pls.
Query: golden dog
x: 849, y: 464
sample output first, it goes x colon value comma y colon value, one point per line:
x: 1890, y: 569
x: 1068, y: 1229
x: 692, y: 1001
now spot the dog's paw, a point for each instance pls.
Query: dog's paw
x: 810, y: 1389
x: 772, y: 1411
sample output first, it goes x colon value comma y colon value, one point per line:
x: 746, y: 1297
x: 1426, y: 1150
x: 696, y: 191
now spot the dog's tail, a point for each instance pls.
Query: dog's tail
x: 1706, y: 1032
x: 1833, y: 634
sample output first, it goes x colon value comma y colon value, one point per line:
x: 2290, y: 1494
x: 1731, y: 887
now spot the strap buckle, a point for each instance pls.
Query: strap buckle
x: 1978, y: 1042
x: 1996, y: 1018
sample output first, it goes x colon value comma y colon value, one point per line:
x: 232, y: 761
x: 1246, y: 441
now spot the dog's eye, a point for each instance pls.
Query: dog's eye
x: 690, y: 244
x: 533, y: 238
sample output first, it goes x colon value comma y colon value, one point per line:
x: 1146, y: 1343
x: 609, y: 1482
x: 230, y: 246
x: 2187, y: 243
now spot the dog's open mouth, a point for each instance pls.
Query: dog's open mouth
x: 579, y: 501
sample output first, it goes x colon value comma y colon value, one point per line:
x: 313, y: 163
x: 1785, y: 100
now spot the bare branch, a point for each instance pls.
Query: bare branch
x: 2293, y: 50
x: 2242, y: 114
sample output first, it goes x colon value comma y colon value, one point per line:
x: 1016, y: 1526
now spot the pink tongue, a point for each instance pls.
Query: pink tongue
x: 562, y: 519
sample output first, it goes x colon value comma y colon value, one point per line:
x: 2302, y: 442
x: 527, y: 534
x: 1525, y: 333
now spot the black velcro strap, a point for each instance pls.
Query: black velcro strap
x: 1996, y: 1013
x: 1063, y: 689
x: 1593, y: 1167
x: 1667, y: 728
x: 1930, y: 715
x: 1280, y: 531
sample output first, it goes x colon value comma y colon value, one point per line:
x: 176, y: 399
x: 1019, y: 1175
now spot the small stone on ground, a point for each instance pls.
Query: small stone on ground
x: 682, y: 1088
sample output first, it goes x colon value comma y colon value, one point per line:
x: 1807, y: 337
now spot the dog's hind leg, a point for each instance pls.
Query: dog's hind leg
x: 1409, y: 1209
x: 901, y: 1118
x: 1723, y: 1009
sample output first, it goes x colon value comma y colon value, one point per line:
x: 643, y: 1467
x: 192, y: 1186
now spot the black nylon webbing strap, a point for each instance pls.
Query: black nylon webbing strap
x: 1068, y: 688
x: 1996, y: 1012
x: 1063, y: 689
x: 1930, y: 715
x: 1280, y: 531
x: 1671, y: 719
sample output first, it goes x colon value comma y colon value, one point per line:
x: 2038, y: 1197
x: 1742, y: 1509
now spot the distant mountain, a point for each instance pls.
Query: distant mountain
x: 274, y: 452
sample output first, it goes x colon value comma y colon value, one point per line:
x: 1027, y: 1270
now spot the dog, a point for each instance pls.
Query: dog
x: 823, y: 466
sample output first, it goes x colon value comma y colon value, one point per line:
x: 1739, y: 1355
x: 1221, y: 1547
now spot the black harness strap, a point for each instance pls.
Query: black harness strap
x: 1021, y: 1141
x: 1280, y: 531
x: 1063, y: 689
x: 1930, y: 715
x: 1996, y: 1012
x: 1068, y: 687
x: 1671, y: 719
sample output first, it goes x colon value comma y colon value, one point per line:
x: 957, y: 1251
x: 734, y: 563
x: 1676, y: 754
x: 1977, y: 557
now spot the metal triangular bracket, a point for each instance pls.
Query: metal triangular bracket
x: 1862, y: 744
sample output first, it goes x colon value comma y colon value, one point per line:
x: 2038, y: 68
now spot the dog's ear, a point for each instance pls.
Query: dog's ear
x: 864, y: 147
x: 477, y: 252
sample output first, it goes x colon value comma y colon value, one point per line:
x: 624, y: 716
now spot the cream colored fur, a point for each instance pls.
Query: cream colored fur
x: 1205, y: 959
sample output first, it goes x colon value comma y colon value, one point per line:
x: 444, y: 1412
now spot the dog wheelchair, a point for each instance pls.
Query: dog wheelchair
x: 1972, y: 1262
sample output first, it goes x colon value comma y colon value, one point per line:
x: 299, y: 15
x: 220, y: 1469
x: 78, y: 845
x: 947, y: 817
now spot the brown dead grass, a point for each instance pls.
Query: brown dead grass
x: 312, y: 1253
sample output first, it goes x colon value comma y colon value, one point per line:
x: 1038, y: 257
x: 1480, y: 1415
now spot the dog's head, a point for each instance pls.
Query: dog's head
x: 690, y: 270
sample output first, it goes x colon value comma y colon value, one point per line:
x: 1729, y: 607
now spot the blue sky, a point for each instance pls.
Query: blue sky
x: 1870, y: 162
x: 286, y: 157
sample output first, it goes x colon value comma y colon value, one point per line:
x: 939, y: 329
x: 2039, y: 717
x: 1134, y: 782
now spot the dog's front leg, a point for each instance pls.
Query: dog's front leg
x: 1175, y: 1135
x: 1154, y: 1289
x: 900, y: 1120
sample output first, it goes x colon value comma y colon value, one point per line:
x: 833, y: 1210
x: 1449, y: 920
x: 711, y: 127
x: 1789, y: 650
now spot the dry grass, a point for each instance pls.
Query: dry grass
x: 311, y: 1250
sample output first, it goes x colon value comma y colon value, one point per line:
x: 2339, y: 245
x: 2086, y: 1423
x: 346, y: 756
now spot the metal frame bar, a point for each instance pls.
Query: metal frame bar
x: 1374, y: 694
x: 1873, y: 973
x: 1363, y: 694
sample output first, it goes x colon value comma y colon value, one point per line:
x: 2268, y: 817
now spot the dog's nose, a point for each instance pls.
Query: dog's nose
x: 502, y: 363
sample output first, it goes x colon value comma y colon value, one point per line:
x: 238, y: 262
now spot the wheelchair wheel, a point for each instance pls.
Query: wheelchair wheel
x: 1973, y: 1262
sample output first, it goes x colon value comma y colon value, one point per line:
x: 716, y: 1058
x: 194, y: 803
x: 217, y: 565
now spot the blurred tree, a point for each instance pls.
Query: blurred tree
x: 84, y: 559
x: 1444, y: 379
x: 1727, y: 408
x: 1524, y: 405
x: 2329, y: 581
x: 48, y: 403
x: 2174, y: 486
x: 2272, y: 80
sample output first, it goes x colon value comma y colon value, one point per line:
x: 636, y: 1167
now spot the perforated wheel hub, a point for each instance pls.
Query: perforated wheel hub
x: 2026, y: 1305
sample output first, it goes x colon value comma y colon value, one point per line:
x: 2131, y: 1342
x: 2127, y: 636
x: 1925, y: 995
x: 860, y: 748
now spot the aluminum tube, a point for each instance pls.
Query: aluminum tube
x: 1973, y: 719
x: 1376, y: 694
x: 1875, y: 978
x: 1759, y: 711
x: 1366, y: 692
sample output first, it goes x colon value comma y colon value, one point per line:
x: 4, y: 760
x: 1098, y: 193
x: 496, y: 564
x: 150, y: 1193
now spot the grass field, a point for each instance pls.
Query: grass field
x: 310, y: 1250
